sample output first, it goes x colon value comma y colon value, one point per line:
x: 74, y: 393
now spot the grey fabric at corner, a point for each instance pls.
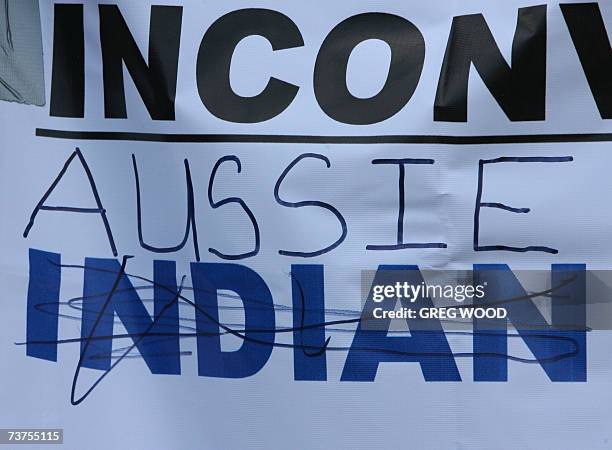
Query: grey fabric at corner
x: 21, y: 54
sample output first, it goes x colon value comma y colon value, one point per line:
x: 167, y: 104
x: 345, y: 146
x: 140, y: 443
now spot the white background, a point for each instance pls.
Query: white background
x: 135, y: 409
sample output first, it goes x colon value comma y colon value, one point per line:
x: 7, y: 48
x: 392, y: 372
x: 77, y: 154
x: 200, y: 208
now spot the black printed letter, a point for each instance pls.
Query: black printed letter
x: 520, y: 89
x: 407, y: 56
x: 593, y: 46
x: 215, y: 56
x: 156, y: 82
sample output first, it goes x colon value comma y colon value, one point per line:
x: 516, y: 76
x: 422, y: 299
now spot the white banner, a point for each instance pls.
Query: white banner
x: 194, y: 223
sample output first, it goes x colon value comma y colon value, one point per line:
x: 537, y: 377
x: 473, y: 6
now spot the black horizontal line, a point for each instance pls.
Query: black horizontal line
x: 312, y: 139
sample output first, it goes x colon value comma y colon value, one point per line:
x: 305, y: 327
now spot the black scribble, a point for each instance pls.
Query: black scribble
x: 353, y: 317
